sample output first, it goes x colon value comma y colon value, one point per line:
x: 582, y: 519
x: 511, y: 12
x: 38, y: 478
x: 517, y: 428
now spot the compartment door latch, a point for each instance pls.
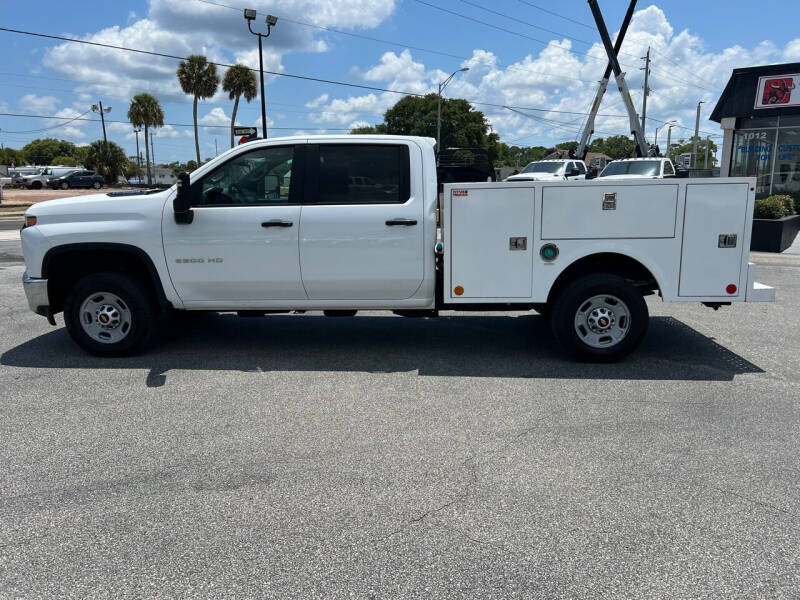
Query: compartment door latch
x: 727, y: 240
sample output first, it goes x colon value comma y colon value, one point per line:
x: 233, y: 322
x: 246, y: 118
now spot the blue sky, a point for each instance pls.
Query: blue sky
x: 551, y: 64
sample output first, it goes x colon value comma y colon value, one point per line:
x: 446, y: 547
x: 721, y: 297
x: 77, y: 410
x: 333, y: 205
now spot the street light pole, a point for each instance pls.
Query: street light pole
x: 696, y: 133
x: 442, y: 85
x: 138, y: 157
x: 153, y: 155
x: 669, y: 137
x: 250, y: 15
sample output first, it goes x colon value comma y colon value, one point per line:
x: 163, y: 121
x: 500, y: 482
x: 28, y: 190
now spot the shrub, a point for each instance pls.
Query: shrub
x: 773, y: 207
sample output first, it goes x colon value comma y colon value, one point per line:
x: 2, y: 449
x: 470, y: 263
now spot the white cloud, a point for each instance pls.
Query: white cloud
x: 40, y: 105
x: 216, y: 116
x: 183, y: 28
x: 562, y: 77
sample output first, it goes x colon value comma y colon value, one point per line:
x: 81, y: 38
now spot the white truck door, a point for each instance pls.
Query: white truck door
x: 361, y: 229
x: 713, y: 239
x: 242, y: 243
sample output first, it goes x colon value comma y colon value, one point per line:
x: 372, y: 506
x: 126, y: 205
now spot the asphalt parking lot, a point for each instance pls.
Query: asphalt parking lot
x: 300, y: 456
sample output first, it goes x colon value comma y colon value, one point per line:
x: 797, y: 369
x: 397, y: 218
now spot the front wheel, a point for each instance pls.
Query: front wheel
x: 64, y: 185
x: 96, y: 185
x: 37, y: 185
x: 600, y: 318
x: 109, y: 314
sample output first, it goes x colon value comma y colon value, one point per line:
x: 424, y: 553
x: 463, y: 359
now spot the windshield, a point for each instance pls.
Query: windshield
x: 645, y: 168
x: 542, y: 167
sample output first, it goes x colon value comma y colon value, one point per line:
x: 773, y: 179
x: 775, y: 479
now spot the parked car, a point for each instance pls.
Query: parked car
x: 77, y: 178
x: 544, y: 170
x: 18, y: 175
x: 637, y: 168
x: 57, y: 171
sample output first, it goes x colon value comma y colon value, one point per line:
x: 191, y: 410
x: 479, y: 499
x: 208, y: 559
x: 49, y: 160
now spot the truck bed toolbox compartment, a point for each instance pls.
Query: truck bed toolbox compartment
x: 615, y: 210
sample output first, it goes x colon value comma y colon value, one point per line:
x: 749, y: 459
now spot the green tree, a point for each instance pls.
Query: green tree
x: 616, y: 146
x: 461, y: 125
x: 239, y: 81
x: 42, y: 151
x: 368, y: 129
x: 9, y: 156
x: 145, y: 111
x: 198, y: 78
x: 108, y: 159
x: 66, y: 161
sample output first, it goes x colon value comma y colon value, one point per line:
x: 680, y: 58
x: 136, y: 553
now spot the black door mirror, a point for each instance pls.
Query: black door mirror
x: 182, y: 204
x: 574, y: 171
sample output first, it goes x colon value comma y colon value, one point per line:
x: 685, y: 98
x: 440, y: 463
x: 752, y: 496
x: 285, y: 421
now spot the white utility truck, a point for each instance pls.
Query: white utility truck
x: 347, y: 223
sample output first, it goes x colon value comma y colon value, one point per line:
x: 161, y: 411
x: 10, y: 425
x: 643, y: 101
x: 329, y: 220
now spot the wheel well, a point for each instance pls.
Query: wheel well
x: 63, y: 266
x: 606, y: 262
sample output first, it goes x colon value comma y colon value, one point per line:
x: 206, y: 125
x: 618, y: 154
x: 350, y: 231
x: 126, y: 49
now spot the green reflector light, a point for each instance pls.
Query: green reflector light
x: 549, y: 252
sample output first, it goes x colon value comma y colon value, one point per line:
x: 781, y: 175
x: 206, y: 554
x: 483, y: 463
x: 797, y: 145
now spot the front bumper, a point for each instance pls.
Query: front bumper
x: 36, y: 292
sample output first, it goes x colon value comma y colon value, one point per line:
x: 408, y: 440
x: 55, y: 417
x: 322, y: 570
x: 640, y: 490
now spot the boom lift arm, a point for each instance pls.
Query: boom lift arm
x: 641, y: 146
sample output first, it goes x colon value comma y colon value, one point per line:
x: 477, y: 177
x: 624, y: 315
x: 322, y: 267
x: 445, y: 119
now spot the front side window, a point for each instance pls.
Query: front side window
x: 643, y: 168
x: 262, y: 176
x: 363, y: 174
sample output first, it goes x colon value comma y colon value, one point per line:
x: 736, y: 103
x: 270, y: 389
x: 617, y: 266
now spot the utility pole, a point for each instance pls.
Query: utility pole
x: 708, y: 145
x: 216, y: 152
x: 153, y: 155
x: 102, y: 117
x: 669, y: 138
x: 696, y: 134
x: 646, y: 88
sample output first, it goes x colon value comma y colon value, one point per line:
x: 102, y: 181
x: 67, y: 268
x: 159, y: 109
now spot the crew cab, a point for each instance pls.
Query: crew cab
x: 346, y: 223
x: 549, y: 170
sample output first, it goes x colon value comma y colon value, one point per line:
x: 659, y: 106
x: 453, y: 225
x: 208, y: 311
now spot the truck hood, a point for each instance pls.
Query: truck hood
x: 534, y: 177
x: 93, y: 207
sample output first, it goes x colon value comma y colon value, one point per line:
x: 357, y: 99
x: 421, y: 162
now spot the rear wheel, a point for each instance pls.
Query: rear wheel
x: 109, y: 314
x: 64, y: 185
x: 600, y: 318
x: 96, y: 185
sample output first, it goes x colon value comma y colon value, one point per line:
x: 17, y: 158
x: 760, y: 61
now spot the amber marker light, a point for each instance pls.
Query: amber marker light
x: 30, y: 221
x: 458, y: 290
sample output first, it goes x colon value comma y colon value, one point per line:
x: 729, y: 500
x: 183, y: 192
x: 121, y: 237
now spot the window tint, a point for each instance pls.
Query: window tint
x: 262, y: 176
x: 668, y: 170
x: 581, y: 168
x: 363, y: 174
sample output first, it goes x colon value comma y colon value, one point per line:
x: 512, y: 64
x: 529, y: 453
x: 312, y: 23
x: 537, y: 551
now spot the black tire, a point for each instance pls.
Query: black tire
x: 64, y: 185
x: 139, y: 302
x: 36, y: 185
x: 574, y: 298
x: 96, y: 185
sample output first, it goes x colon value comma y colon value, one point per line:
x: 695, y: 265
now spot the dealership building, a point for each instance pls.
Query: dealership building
x: 759, y: 112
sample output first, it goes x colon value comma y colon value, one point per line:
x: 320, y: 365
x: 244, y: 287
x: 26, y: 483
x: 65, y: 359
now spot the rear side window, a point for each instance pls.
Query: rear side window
x: 363, y: 174
x: 668, y: 170
x: 581, y: 168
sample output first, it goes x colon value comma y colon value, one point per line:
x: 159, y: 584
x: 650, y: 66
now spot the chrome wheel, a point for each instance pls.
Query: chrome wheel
x: 602, y: 321
x: 105, y: 317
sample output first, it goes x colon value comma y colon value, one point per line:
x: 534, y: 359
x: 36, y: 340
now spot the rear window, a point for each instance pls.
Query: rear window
x: 363, y: 174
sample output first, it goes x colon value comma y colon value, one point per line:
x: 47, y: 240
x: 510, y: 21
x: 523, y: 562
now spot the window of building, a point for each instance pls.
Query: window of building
x: 786, y: 174
x: 753, y: 151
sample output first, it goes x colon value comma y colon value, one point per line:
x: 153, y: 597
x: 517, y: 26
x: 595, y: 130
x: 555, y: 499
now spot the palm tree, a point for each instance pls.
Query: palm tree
x: 146, y: 111
x: 199, y: 78
x: 239, y: 81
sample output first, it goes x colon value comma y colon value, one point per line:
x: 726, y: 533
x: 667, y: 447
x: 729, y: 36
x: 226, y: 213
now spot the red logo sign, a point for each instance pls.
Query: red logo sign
x: 775, y: 91
x: 778, y: 91
x: 459, y: 192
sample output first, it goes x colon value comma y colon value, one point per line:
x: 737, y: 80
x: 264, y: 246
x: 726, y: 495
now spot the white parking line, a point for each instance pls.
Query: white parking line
x: 9, y: 234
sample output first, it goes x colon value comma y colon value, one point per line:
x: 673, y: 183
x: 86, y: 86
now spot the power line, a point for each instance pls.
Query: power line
x: 555, y: 14
x: 29, y: 116
x: 68, y: 119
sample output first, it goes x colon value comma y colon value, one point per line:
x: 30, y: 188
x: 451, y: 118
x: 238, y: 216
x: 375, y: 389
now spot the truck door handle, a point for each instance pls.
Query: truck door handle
x: 406, y: 222
x: 276, y: 223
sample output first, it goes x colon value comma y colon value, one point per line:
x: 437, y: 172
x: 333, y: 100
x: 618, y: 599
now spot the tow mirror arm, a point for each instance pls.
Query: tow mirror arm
x: 182, y: 203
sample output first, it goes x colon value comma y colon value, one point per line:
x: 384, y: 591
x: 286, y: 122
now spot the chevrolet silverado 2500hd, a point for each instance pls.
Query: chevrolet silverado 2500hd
x: 342, y: 223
